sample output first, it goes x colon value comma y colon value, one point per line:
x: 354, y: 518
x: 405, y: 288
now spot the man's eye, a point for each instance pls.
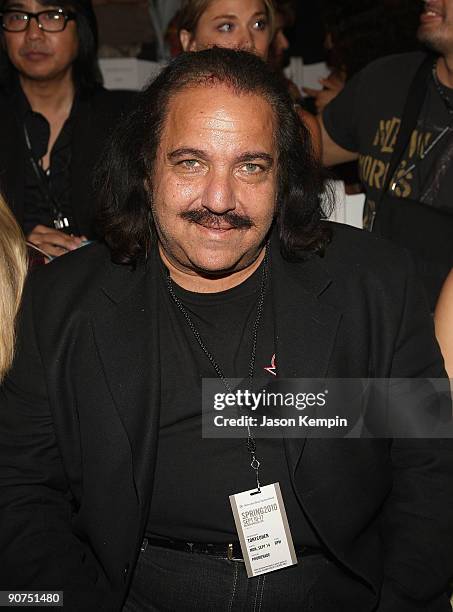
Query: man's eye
x: 53, y: 15
x: 17, y: 17
x: 225, y: 27
x: 252, y: 168
x: 190, y: 164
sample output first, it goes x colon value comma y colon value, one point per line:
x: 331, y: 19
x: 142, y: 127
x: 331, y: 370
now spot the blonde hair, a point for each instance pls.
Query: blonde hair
x: 192, y: 10
x: 13, y: 269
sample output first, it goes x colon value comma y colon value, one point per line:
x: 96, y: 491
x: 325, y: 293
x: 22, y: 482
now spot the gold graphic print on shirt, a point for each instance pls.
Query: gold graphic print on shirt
x: 373, y: 168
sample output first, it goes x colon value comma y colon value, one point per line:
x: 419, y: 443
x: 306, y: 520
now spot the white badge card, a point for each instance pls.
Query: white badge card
x: 263, y: 530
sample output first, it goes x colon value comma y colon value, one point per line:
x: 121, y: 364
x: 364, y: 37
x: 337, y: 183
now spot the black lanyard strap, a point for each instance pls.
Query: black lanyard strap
x: 59, y: 220
x: 251, y: 444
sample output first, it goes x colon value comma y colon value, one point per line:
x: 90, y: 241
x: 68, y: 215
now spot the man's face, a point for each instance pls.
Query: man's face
x: 40, y: 55
x: 436, y: 25
x: 215, y: 180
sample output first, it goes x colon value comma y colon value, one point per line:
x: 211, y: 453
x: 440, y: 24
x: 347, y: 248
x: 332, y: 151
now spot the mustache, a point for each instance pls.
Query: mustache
x: 208, y: 219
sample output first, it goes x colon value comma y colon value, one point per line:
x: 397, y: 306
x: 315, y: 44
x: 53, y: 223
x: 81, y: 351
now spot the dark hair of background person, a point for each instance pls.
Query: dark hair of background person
x: 124, y: 214
x: 306, y: 35
x: 363, y: 30
x: 284, y: 12
x: 287, y: 9
x: 87, y: 74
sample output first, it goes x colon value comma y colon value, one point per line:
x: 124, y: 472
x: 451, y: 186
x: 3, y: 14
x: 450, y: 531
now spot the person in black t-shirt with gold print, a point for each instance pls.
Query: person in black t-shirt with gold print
x: 365, y: 122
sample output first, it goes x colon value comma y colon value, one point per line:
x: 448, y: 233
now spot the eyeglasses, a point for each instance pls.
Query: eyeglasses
x: 54, y: 20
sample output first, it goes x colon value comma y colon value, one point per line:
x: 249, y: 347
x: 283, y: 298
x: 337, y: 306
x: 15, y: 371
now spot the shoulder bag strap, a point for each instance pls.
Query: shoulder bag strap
x: 412, y: 108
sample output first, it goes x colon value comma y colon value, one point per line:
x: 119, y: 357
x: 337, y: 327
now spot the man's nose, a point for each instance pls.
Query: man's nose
x: 218, y: 195
x: 33, y: 30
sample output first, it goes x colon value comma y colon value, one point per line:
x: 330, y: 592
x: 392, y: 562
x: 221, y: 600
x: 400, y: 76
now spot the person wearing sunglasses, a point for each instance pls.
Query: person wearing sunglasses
x: 54, y: 119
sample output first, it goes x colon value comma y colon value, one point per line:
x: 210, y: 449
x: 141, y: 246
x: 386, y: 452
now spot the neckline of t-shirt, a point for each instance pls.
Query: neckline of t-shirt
x: 244, y: 290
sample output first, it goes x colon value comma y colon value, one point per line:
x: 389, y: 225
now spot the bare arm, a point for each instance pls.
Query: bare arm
x: 312, y: 125
x: 443, y: 319
x: 333, y: 154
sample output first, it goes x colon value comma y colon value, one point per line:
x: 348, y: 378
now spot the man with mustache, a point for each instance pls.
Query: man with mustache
x: 54, y: 119
x: 216, y: 265
x: 396, y: 118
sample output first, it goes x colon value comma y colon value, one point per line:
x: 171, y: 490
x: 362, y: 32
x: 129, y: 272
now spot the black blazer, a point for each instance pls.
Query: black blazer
x: 79, y: 423
x: 97, y: 115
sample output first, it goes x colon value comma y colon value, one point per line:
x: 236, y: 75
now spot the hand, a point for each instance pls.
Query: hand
x: 332, y: 86
x: 53, y: 241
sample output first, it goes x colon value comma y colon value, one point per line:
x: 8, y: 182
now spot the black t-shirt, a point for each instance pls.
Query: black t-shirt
x: 366, y: 116
x: 48, y: 195
x: 194, y: 476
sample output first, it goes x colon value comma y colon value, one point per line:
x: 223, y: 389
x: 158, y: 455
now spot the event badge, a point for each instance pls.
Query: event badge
x: 263, y: 530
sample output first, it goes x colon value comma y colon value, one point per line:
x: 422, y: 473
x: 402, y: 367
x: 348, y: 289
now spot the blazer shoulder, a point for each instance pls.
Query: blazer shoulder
x: 364, y: 255
x: 353, y: 242
x: 81, y: 267
x: 75, y: 277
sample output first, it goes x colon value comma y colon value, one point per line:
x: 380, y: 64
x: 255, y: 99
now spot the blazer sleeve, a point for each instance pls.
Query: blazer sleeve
x: 38, y: 549
x: 417, y: 520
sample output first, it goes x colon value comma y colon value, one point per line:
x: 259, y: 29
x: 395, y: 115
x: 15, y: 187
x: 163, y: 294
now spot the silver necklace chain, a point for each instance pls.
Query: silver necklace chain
x: 251, y: 443
x: 442, y: 93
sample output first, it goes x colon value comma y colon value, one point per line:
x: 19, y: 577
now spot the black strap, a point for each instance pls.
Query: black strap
x: 411, y: 112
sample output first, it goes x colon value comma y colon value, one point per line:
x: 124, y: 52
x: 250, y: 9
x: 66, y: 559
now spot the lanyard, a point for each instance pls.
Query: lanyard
x: 251, y: 443
x: 60, y: 222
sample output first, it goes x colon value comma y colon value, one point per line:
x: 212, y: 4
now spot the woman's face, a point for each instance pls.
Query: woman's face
x: 236, y: 24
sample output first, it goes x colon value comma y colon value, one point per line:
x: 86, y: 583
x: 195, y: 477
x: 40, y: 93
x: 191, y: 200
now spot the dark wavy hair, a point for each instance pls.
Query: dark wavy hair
x: 124, y: 215
x: 365, y: 30
x: 87, y: 74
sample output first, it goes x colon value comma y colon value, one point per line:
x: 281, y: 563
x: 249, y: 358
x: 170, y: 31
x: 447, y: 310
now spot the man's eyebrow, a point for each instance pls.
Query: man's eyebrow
x: 244, y: 158
x: 186, y: 151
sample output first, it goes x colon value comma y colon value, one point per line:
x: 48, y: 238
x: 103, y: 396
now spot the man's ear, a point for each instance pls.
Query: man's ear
x: 186, y: 40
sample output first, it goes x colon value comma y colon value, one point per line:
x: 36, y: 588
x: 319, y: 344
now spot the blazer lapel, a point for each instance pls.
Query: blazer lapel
x: 306, y: 327
x: 306, y: 332
x: 125, y: 329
